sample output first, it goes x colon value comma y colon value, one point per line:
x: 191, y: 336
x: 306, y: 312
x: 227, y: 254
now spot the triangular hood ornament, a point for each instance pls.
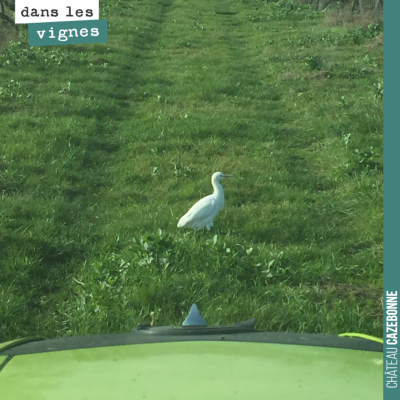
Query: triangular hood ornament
x: 194, y: 317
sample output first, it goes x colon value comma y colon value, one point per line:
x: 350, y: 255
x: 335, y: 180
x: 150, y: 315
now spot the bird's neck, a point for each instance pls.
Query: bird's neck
x: 218, y: 189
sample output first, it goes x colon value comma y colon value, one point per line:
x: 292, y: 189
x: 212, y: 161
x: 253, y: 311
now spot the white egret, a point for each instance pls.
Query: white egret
x: 205, y: 210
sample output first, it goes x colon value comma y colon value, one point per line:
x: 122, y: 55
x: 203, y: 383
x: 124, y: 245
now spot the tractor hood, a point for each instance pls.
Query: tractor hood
x: 192, y: 362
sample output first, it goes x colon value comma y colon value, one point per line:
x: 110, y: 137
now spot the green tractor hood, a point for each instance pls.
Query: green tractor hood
x: 192, y: 362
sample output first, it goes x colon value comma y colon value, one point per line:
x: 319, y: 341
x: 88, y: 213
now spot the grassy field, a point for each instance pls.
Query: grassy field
x: 105, y: 146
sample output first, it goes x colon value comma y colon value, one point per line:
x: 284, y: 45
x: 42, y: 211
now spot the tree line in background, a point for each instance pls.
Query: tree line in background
x: 3, y: 16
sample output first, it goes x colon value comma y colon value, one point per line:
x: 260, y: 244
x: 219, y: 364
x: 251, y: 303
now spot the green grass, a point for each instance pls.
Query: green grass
x: 106, y: 146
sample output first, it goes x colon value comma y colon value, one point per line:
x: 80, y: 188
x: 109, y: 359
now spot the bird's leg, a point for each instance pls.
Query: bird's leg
x: 219, y: 232
x: 215, y: 230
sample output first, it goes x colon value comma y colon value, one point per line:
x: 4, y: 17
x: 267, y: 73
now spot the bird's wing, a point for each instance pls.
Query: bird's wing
x: 203, y: 209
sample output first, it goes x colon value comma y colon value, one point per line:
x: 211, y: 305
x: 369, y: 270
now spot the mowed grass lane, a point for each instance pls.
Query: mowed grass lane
x: 109, y: 144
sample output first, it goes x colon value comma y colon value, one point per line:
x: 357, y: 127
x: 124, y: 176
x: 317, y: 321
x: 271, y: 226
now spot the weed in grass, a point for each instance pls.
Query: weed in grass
x: 364, y: 161
x: 288, y: 10
x: 66, y: 89
x: 184, y: 44
x: 180, y: 170
x: 11, y: 89
x: 314, y: 62
x: 18, y: 54
x: 356, y: 36
x: 378, y: 90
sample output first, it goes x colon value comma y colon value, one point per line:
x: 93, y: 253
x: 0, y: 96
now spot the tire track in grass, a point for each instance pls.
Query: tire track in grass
x: 277, y: 128
x: 127, y: 68
x: 265, y: 97
x: 269, y: 132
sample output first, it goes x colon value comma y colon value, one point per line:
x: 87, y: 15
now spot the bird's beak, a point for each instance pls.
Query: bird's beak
x: 227, y: 176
